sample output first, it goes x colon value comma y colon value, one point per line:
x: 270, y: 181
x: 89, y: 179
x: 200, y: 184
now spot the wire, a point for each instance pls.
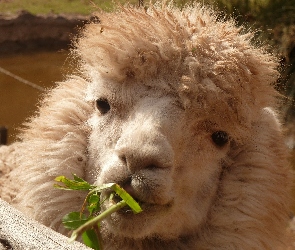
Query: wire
x: 33, y: 85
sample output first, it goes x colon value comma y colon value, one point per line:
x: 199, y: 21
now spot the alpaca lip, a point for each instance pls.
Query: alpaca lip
x: 143, y: 197
x: 148, y: 208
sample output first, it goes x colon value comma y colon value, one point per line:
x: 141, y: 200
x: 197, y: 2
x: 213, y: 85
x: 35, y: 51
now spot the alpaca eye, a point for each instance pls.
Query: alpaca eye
x: 103, y: 105
x: 220, y: 138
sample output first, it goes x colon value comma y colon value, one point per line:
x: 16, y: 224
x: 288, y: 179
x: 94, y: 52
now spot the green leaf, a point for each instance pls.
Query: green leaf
x: 127, y: 198
x: 87, y: 225
x: 122, y: 193
x: 102, y: 187
x: 76, y: 184
x: 79, y: 179
x: 90, y: 239
x: 93, y: 198
x: 74, y: 220
x: 96, y: 220
x: 94, y: 205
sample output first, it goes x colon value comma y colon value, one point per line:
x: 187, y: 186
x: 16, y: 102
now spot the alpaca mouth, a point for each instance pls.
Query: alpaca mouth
x: 144, y: 201
x: 115, y: 198
x: 130, y: 190
x: 146, y: 192
x: 127, y: 210
x: 147, y: 207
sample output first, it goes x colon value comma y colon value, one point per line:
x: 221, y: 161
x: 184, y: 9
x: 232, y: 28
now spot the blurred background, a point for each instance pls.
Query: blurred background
x: 35, y: 40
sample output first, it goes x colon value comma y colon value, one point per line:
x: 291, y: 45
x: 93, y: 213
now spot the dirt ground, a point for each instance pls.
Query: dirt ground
x: 25, y: 32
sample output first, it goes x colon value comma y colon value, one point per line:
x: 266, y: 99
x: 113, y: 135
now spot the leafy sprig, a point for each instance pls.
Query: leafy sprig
x: 86, y: 222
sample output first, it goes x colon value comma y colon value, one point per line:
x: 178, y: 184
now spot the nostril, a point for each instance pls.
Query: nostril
x: 126, y: 182
x: 126, y: 185
x: 123, y: 158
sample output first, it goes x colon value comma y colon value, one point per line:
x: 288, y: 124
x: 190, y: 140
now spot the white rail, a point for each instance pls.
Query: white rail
x: 20, y: 79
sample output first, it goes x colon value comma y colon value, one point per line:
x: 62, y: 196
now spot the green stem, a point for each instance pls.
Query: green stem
x: 89, y: 224
x: 96, y: 229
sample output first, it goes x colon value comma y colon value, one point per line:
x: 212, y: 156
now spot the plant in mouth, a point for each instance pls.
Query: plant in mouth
x: 86, y: 222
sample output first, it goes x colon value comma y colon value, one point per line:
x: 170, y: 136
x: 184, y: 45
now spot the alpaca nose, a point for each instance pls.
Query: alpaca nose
x: 148, y: 154
x: 135, y: 162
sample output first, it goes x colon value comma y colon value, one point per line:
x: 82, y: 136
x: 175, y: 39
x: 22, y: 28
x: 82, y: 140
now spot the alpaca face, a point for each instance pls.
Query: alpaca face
x: 144, y: 139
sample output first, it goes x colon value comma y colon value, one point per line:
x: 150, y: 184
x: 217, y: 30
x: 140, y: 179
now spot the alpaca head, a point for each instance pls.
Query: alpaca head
x: 173, y: 93
x: 176, y: 106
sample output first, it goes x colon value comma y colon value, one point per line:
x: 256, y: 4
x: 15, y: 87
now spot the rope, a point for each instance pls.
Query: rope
x: 33, y: 85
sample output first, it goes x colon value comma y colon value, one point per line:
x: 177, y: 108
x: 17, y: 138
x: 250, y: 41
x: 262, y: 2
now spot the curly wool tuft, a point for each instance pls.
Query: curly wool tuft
x: 192, y: 48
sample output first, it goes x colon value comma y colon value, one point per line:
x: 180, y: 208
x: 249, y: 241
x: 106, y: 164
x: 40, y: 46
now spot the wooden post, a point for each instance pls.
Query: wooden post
x: 3, y: 135
x: 18, y: 232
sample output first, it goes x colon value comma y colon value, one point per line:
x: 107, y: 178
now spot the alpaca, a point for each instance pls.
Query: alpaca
x: 179, y: 108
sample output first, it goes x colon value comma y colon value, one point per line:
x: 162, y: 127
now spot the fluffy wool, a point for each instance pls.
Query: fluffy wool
x: 155, y: 87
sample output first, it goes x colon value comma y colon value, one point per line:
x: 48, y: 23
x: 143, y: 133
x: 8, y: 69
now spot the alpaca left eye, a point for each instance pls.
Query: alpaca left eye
x: 103, y: 105
x: 220, y: 138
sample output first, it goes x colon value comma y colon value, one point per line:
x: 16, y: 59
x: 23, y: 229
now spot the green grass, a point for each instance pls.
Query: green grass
x: 83, y: 7
x: 261, y: 10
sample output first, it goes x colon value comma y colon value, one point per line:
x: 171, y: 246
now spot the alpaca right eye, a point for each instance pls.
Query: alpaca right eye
x: 103, y: 105
x: 220, y: 138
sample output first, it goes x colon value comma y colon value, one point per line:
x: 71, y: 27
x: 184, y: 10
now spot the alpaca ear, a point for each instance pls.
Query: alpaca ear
x: 262, y: 155
x: 256, y: 185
